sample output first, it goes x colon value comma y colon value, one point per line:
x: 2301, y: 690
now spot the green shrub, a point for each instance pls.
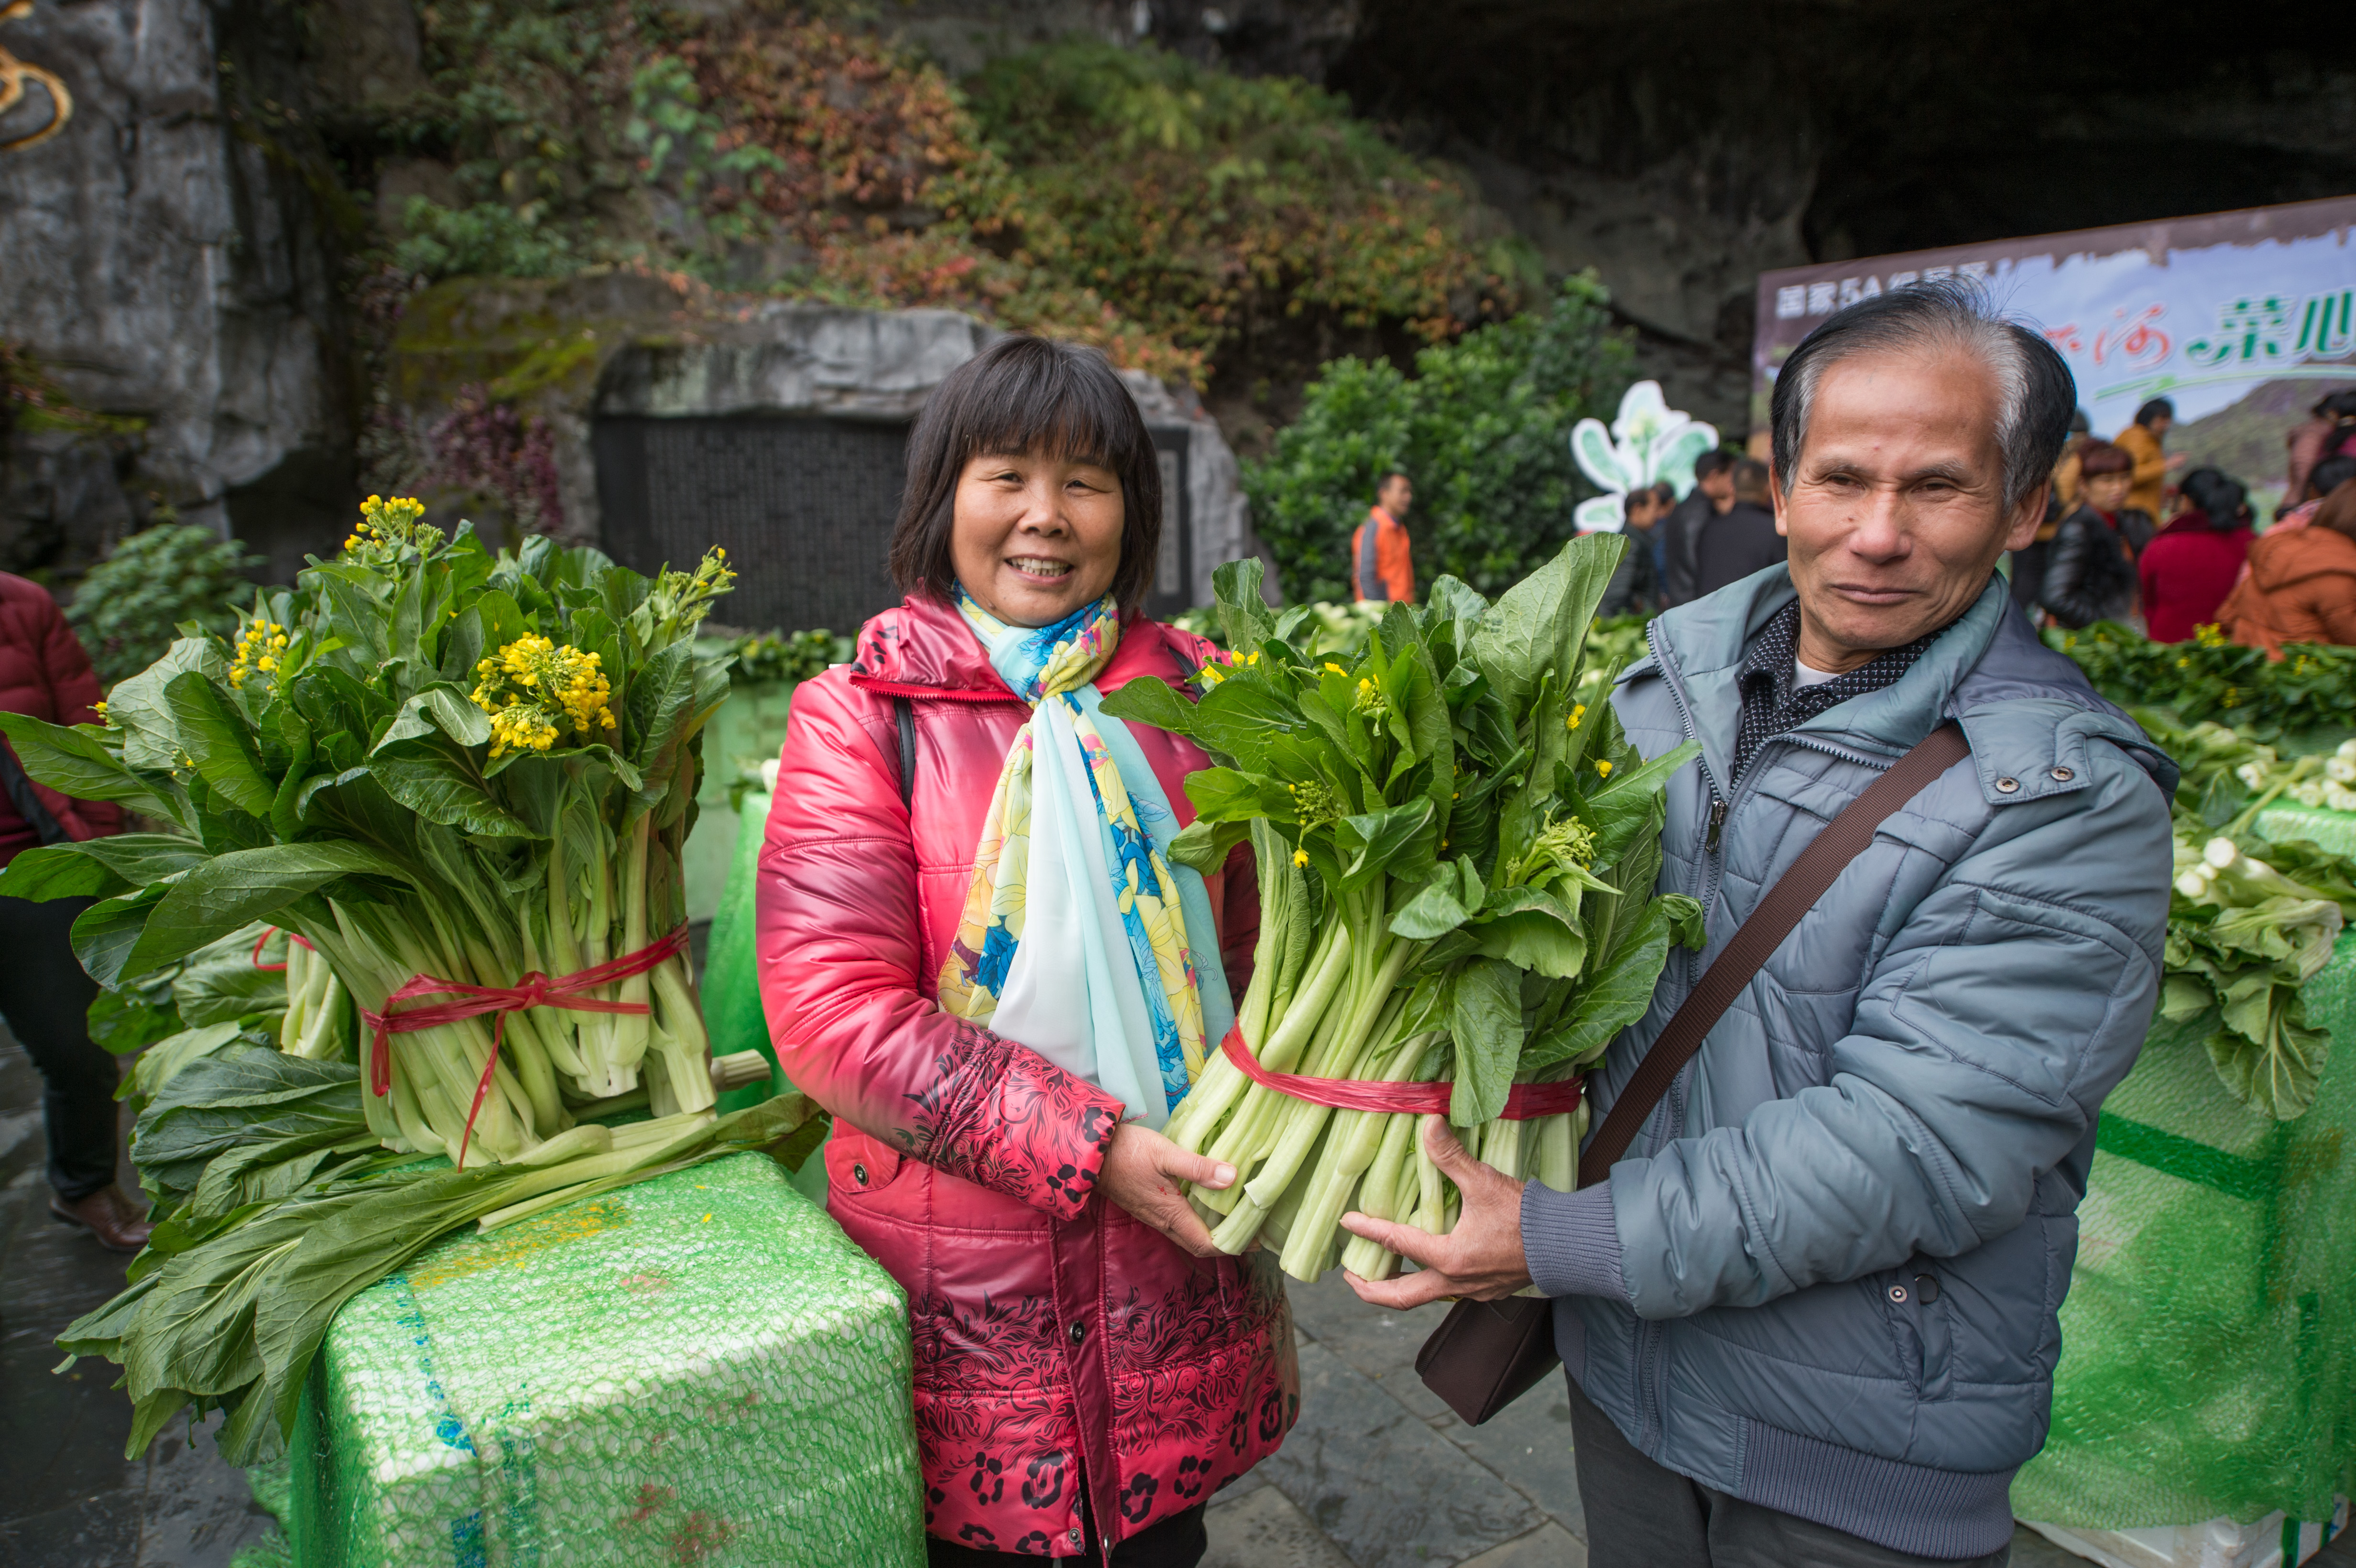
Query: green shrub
x: 127, y: 611
x: 1483, y: 427
x: 486, y: 241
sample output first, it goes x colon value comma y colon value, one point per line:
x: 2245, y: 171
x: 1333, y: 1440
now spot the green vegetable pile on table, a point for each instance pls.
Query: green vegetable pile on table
x: 2311, y: 687
x: 1456, y: 856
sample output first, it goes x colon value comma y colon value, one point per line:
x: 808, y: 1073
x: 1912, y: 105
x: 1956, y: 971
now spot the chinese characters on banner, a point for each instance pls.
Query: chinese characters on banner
x: 2253, y: 310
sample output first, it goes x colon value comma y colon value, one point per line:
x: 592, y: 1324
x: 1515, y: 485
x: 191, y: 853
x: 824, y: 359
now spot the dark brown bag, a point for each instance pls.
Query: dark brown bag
x: 1487, y: 1354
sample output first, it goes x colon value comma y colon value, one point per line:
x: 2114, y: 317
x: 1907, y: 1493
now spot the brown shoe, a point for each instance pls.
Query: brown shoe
x: 109, y: 1216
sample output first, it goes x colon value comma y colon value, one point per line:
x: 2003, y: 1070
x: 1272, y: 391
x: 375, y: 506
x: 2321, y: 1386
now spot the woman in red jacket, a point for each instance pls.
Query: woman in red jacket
x: 975, y: 951
x: 44, y: 994
x: 2192, y: 564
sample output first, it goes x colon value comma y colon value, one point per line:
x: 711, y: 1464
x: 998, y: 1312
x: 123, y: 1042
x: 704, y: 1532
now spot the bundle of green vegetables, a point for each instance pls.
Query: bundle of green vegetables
x: 1456, y: 858
x: 440, y: 769
x: 275, y: 1205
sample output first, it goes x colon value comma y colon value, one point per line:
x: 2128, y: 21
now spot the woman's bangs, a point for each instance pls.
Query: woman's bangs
x: 1051, y: 416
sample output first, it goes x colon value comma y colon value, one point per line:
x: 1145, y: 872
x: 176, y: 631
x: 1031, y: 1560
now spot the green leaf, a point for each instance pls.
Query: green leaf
x: 1452, y: 599
x: 443, y: 789
x: 1229, y: 794
x: 1149, y: 701
x: 1615, y: 995
x: 1244, y: 617
x: 1631, y: 801
x: 438, y: 708
x: 77, y: 763
x: 141, y: 710
x: 1376, y: 842
x: 223, y: 988
x: 235, y: 890
x: 1432, y: 913
x: 1532, y: 930
x: 1484, y: 1017
x: 1205, y: 845
x: 219, y: 742
x: 2275, y: 1068
x: 105, y: 933
x: 58, y: 871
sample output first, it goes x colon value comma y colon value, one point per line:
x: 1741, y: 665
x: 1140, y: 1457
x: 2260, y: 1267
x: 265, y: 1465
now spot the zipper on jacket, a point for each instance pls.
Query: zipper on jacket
x: 1717, y: 819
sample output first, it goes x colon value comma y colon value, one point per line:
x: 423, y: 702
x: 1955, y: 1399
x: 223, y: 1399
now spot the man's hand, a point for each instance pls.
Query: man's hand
x: 1141, y: 1172
x: 1481, y: 1259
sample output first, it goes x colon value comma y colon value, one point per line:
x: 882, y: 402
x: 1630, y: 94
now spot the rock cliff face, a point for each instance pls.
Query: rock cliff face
x: 164, y: 259
x: 1681, y: 147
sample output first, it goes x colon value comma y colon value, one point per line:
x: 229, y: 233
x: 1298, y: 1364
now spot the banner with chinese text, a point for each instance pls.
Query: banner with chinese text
x: 2242, y: 319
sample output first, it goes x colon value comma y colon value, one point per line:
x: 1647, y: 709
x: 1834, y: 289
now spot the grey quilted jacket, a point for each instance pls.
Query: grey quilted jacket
x: 1826, y: 1277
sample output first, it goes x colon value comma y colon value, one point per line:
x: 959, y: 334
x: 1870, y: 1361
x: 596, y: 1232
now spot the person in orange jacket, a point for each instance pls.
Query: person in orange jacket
x: 2301, y: 585
x: 1380, y: 565
x: 2146, y: 441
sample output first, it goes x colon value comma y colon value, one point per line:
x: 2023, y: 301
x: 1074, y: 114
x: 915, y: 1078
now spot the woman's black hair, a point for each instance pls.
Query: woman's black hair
x: 2157, y: 409
x: 1024, y: 395
x: 2217, y: 494
x: 2330, y: 475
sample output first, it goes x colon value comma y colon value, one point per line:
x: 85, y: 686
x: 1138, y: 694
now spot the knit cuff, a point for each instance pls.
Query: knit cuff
x: 1572, y: 1241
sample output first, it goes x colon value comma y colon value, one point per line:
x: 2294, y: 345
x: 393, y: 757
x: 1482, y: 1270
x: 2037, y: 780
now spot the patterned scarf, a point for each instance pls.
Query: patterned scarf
x: 1074, y: 936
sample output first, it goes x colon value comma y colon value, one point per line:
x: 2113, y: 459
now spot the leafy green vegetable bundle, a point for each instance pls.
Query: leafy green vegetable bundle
x: 450, y: 774
x: 1456, y: 858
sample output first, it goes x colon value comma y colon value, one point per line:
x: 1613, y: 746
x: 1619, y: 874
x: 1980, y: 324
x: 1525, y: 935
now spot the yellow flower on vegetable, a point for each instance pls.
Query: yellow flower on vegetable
x: 1578, y: 712
x: 1604, y: 766
x: 534, y: 691
x: 1301, y: 857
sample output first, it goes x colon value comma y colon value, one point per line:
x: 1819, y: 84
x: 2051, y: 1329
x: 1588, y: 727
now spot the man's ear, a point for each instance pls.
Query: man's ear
x: 2021, y: 529
x: 1778, y: 499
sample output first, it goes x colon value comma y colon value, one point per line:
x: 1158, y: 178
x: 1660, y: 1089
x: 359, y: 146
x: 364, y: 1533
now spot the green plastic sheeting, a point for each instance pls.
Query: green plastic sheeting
x: 2209, y: 1341
x: 701, y: 1367
x: 732, y: 978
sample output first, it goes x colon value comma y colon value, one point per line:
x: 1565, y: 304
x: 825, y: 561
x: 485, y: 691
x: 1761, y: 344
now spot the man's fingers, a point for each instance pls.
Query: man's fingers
x: 1406, y: 1292
x: 1416, y: 1246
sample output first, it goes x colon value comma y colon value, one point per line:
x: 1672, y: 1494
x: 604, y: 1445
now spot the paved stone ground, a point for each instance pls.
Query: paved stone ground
x: 1379, y: 1474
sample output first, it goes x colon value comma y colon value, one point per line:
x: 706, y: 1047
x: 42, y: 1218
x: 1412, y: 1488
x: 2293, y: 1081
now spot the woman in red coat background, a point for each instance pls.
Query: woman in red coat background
x: 975, y: 952
x: 2193, y: 563
x: 44, y: 994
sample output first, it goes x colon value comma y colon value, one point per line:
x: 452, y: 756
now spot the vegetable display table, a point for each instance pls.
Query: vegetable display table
x: 2209, y: 1364
x: 701, y: 1367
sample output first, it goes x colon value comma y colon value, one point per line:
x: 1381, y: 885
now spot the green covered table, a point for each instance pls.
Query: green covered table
x: 701, y: 1367
x: 2207, y: 1368
x: 2334, y: 830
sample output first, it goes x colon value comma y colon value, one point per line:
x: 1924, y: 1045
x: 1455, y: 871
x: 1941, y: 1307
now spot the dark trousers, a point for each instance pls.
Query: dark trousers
x: 1643, y: 1515
x: 1177, y: 1542
x: 46, y: 997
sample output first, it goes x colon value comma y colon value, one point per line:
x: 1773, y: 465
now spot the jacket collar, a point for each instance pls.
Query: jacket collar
x: 1989, y: 656
x: 923, y: 649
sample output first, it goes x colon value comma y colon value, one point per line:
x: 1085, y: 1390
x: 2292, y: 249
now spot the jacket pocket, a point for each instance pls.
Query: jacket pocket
x: 858, y: 1167
x: 1915, y: 1297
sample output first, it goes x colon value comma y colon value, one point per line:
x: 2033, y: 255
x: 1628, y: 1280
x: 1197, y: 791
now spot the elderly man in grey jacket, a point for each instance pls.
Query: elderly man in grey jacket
x: 1811, y: 1317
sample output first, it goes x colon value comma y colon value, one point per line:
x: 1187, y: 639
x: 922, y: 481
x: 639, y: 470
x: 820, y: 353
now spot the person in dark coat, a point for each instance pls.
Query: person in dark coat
x: 1635, y: 585
x: 1712, y: 494
x: 2090, y: 574
x: 44, y: 994
x: 1743, y: 539
x: 2193, y: 564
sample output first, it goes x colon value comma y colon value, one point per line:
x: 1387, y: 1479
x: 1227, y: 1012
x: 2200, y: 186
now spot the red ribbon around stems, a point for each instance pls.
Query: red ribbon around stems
x: 1524, y: 1102
x: 269, y: 931
x: 534, y: 990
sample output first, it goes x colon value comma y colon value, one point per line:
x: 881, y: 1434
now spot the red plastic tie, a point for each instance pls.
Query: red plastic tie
x: 533, y: 990
x: 1524, y: 1102
x: 267, y: 932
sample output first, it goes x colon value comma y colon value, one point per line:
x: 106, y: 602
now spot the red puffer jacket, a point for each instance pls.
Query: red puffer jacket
x: 1056, y: 1337
x: 45, y: 673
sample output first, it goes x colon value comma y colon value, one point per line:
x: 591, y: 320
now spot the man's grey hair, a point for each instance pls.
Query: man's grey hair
x: 2035, y: 393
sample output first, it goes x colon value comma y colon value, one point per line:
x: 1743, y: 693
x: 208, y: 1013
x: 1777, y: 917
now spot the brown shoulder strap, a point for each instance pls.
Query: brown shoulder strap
x: 1793, y: 895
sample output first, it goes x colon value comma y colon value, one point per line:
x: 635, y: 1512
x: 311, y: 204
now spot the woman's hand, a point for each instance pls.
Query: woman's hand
x: 1482, y: 1259
x: 1141, y: 1172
